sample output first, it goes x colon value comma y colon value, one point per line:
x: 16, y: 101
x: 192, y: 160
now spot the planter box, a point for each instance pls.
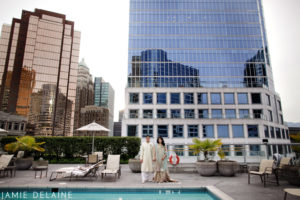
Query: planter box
x: 291, y: 174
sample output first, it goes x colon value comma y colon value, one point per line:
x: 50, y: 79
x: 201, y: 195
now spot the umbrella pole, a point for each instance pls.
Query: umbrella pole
x: 93, y: 143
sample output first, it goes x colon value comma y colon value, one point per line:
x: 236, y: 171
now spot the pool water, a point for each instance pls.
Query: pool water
x: 107, y: 194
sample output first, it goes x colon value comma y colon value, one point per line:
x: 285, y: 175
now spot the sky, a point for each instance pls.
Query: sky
x: 104, y: 41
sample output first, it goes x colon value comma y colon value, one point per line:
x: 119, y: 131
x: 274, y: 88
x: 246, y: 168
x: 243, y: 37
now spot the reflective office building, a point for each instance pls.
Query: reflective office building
x: 105, y: 97
x: 38, y: 71
x: 201, y: 69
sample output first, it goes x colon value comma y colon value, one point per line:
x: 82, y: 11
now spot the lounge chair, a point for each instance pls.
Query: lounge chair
x: 92, y: 159
x: 284, y: 161
x: 5, y: 160
x: 99, y: 154
x: 265, y: 169
x: 112, y: 166
x: 76, y: 172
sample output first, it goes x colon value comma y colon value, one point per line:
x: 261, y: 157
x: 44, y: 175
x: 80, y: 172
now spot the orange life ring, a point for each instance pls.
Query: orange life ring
x: 177, y: 160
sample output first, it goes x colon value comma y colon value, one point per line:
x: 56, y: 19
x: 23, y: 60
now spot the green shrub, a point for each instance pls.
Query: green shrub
x: 69, y: 149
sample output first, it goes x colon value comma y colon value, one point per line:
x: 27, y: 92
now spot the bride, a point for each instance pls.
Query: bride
x: 161, y: 173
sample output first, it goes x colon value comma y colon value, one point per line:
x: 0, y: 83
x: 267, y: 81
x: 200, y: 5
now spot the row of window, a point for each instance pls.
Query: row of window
x: 202, y: 98
x: 239, y: 150
x: 238, y: 131
x: 12, y: 126
x: 203, y: 114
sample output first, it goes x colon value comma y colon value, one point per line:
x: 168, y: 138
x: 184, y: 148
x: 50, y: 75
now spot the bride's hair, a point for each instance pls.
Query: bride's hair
x: 162, y: 140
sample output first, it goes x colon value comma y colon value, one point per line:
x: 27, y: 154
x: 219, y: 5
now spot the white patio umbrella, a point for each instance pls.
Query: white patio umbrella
x: 93, y: 127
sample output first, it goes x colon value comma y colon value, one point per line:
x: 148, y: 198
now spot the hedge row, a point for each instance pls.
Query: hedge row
x: 62, y: 148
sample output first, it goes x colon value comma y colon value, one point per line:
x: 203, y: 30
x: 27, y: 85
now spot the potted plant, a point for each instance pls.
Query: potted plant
x: 226, y: 167
x: 205, y: 167
x: 28, y: 145
x: 135, y: 164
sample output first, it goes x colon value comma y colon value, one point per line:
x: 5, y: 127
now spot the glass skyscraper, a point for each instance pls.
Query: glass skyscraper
x: 105, y: 97
x: 199, y: 68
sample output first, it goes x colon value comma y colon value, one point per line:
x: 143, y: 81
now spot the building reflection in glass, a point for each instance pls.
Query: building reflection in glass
x: 153, y: 69
x: 255, y: 71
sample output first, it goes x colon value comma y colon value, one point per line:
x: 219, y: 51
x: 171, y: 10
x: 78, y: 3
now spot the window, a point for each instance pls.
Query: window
x: 238, y: 150
x: 268, y: 100
x: 132, y: 130
x: 9, y: 125
x: 252, y: 131
x: 203, y: 114
x: 279, y: 105
x: 223, y: 131
x: 175, y: 113
x: 188, y: 98
x: 162, y: 131
x: 230, y: 114
x: 278, y: 135
x: 229, y: 98
x: 161, y: 98
x: 208, y: 131
x: 134, y: 98
x: 177, y: 131
x: 133, y: 114
x: 254, y: 150
x: 215, y: 98
x: 161, y: 113
x: 257, y: 114
x: 287, y: 134
x: 280, y: 150
x: 189, y: 113
x: 255, y: 98
x: 274, y: 147
x: 272, y: 132
x: 16, y: 126
x: 266, y: 130
x: 179, y: 150
x: 281, y: 119
x: 2, y: 124
x: 147, y: 130
x: 242, y: 98
x: 216, y: 113
x: 148, y: 98
x: 175, y: 98
x: 147, y: 114
x: 202, y: 98
x: 226, y: 149
x: 243, y: 113
x: 282, y: 133
x: 270, y: 115
x: 238, y: 131
x: 269, y: 150
x: 22, y: 127
x: 193, y: 131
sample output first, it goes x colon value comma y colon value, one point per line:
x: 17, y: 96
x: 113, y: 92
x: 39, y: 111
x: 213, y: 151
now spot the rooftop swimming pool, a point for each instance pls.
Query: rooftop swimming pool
x: 107, y: 194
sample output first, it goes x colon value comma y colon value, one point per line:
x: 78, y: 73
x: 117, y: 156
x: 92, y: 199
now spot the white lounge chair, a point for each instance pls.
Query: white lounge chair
x: 76, y: 172
x: 112, y: 166
x: 4, y: 162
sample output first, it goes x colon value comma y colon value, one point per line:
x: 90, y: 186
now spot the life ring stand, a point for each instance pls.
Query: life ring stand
x: 177, y: 160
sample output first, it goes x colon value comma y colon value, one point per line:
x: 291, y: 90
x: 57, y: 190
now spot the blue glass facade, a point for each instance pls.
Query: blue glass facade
x: 197, y: 43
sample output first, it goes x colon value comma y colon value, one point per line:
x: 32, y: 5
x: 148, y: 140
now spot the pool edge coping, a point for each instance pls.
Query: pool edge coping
x: 212, y: 189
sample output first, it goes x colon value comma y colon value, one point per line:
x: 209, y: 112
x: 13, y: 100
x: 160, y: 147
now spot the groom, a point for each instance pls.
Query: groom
x: 146, y: 158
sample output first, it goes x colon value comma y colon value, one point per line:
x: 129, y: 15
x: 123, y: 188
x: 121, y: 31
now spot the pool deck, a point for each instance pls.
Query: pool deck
x: 236, y: 187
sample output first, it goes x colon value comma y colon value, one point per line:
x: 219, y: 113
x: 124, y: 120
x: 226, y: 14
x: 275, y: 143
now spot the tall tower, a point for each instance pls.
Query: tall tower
x: 38, y: 71
x: 105, y: 97
x: 84, y: 91
x: 201, y: 69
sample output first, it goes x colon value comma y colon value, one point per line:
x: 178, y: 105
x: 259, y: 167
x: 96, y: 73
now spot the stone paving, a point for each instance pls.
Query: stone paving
x: 237, y: 187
